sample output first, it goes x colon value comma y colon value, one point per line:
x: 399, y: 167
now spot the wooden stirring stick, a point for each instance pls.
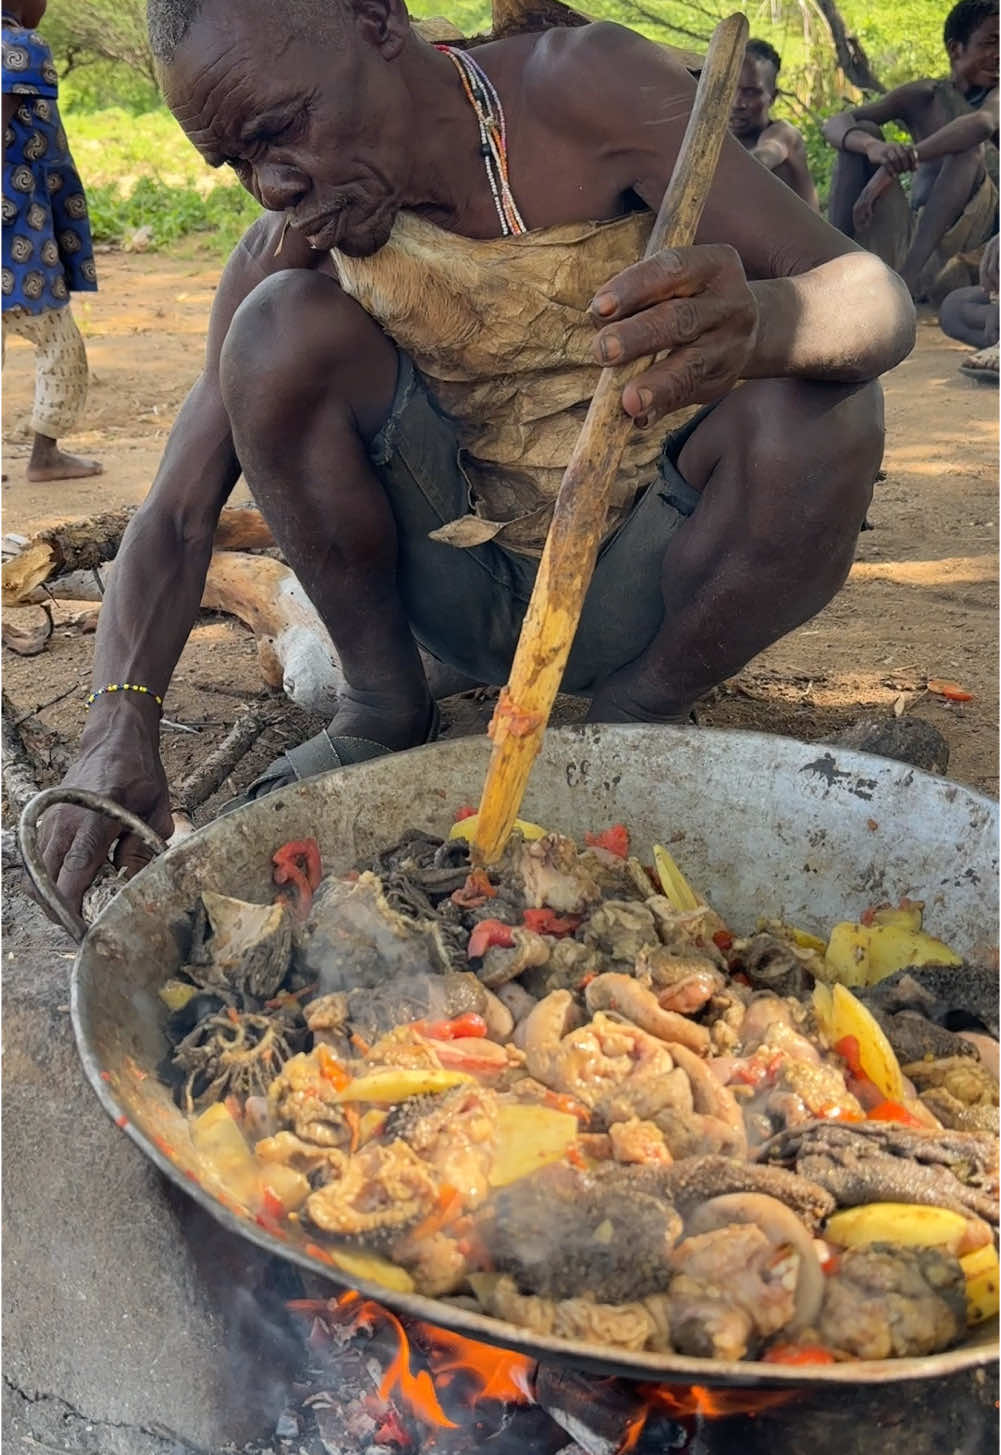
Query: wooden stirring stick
x: 579, y: 518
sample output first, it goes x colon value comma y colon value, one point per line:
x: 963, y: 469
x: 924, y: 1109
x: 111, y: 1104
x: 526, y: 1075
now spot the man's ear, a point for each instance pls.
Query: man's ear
x: 385, y: 24
x: 954, y: 49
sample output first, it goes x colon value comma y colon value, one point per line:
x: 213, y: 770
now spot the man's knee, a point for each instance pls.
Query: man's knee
x: 296, y: 336
x: 812, y: 454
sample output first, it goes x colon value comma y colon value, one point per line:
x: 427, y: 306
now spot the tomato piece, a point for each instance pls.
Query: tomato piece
x: 614, y: 840
x: 798, y: 1354
x: 305, y: 855
x: 447, y: 1208
x: 476, y: 891
x: 466, y: 811
x: 547, y: 922
x: 272, y: 1206
x: 723, y: 940
x: 469, y: 1024
x: 951, y: 691
x: 331, y: 1069
x: 834, y: 1113
x: 487, y: 933
x: 892, y: 1111
x: 850, y: 1052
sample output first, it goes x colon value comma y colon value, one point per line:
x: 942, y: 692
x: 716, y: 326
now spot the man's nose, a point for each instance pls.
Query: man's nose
x: 280, y: 187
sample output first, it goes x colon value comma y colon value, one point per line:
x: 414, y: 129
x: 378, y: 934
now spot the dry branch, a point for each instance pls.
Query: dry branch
x: 203, y: 781
x: 83, y: 545
x: 18, y: 774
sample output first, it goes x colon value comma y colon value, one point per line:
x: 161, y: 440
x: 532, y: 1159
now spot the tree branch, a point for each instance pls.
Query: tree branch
x: 851, y: 57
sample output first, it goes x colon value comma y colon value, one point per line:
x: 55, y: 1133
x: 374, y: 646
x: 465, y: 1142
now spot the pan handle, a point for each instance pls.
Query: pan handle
x: 27, y: 837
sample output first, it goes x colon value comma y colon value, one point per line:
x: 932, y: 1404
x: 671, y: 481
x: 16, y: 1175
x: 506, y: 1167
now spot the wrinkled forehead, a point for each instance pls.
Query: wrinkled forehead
x: 237, y: 58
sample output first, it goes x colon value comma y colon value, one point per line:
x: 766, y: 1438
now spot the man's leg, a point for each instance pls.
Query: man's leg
x: 951, y: 191
x: 785, y: 469
x: 308, y: 380
x: 851, y: 173
x: 969, y: 315
x: 888, y: 230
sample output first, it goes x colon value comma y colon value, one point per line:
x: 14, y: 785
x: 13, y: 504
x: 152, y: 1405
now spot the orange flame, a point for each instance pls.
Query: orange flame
x: 416, y: 1389
x: 507, y: 1377
x: 501, y: 1374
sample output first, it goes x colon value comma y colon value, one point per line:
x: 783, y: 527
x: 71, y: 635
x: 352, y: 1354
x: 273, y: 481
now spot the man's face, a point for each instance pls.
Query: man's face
x: 313, y: 125
x: 755, y: 93
x: 975, y: 64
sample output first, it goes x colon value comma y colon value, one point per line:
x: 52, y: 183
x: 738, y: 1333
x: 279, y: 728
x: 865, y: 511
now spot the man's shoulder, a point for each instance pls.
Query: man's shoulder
x: 590, y: 70
x: 784, y: 131
x: 914, y: 94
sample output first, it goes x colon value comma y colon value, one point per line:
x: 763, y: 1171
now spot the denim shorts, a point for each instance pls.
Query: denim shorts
x: 466, y: 604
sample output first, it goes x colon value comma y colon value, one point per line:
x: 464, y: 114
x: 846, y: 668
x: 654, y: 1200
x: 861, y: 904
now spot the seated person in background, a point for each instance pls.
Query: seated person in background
x: 953, y: 124
x: 971, y: 315
x: 775, y: 144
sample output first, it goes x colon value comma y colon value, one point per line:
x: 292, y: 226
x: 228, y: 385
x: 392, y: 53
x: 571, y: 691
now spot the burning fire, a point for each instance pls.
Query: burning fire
x: 472, y: 1372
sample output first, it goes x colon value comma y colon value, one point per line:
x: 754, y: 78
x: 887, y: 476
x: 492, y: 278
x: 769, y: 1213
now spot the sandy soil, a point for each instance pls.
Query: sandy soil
x: 920, y: 603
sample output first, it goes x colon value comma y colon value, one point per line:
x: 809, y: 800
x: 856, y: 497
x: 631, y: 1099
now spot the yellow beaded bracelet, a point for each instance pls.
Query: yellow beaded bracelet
x: 123, y: 687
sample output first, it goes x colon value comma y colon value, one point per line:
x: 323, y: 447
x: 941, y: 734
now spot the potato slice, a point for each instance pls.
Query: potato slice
x: 893, y: 947
x: 982, y: 1279
x: 466, y: 828
x: 865, y: 954
x: 529, y: 1137
x: 839, y: 1014
x: 847, y: 955
x: 909, y: 918
x: 397, y: 1083
x: 910, y: 1224
x: 677, y: 890
x: 805, y: 940
x: 370, y: 1266
x: 175, y: 994
x: 224, y: 1153
x: 288, y: 1186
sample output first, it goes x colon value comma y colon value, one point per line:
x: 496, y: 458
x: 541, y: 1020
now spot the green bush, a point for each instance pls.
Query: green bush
x: 170, y: 212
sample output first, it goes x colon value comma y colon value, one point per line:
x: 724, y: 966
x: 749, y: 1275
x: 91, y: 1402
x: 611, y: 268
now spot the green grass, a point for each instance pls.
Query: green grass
x: 140, y: 171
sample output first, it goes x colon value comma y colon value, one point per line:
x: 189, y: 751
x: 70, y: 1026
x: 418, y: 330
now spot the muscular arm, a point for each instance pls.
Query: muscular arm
x: 825, y: 309
x: 156, y: 589
x: 780, y: 143
x: 901, y: 105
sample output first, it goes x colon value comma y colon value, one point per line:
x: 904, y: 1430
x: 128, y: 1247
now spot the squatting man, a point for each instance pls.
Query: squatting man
x: 401, y: 352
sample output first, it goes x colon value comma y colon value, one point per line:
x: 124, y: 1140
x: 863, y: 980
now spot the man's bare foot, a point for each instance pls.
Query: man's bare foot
x: 57, y: 465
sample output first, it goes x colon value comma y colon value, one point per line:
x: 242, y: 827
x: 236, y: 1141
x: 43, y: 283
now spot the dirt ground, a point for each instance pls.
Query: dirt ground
x: 921, y: 601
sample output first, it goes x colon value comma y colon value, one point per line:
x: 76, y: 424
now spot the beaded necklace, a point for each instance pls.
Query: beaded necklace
x: 489, y: 112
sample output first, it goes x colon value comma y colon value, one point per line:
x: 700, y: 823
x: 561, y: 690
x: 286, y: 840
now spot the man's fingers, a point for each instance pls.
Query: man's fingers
x: 688, y: 376
x: 664, y: 326
x: 671, y: 273
x: 131, y: 854
x: 74, y: 869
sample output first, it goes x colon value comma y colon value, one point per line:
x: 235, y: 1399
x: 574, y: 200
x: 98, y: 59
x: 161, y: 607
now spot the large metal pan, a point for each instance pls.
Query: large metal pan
x: 763, y: 824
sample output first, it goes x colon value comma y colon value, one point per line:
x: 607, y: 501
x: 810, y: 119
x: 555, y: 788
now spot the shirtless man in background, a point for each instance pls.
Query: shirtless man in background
x: 953, y: 125
x: 777, y: 145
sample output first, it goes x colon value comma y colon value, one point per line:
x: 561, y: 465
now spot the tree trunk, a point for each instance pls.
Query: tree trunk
x: 851, y: 57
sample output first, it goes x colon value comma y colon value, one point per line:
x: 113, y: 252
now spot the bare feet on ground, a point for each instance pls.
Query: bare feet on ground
x: 49, y: 462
